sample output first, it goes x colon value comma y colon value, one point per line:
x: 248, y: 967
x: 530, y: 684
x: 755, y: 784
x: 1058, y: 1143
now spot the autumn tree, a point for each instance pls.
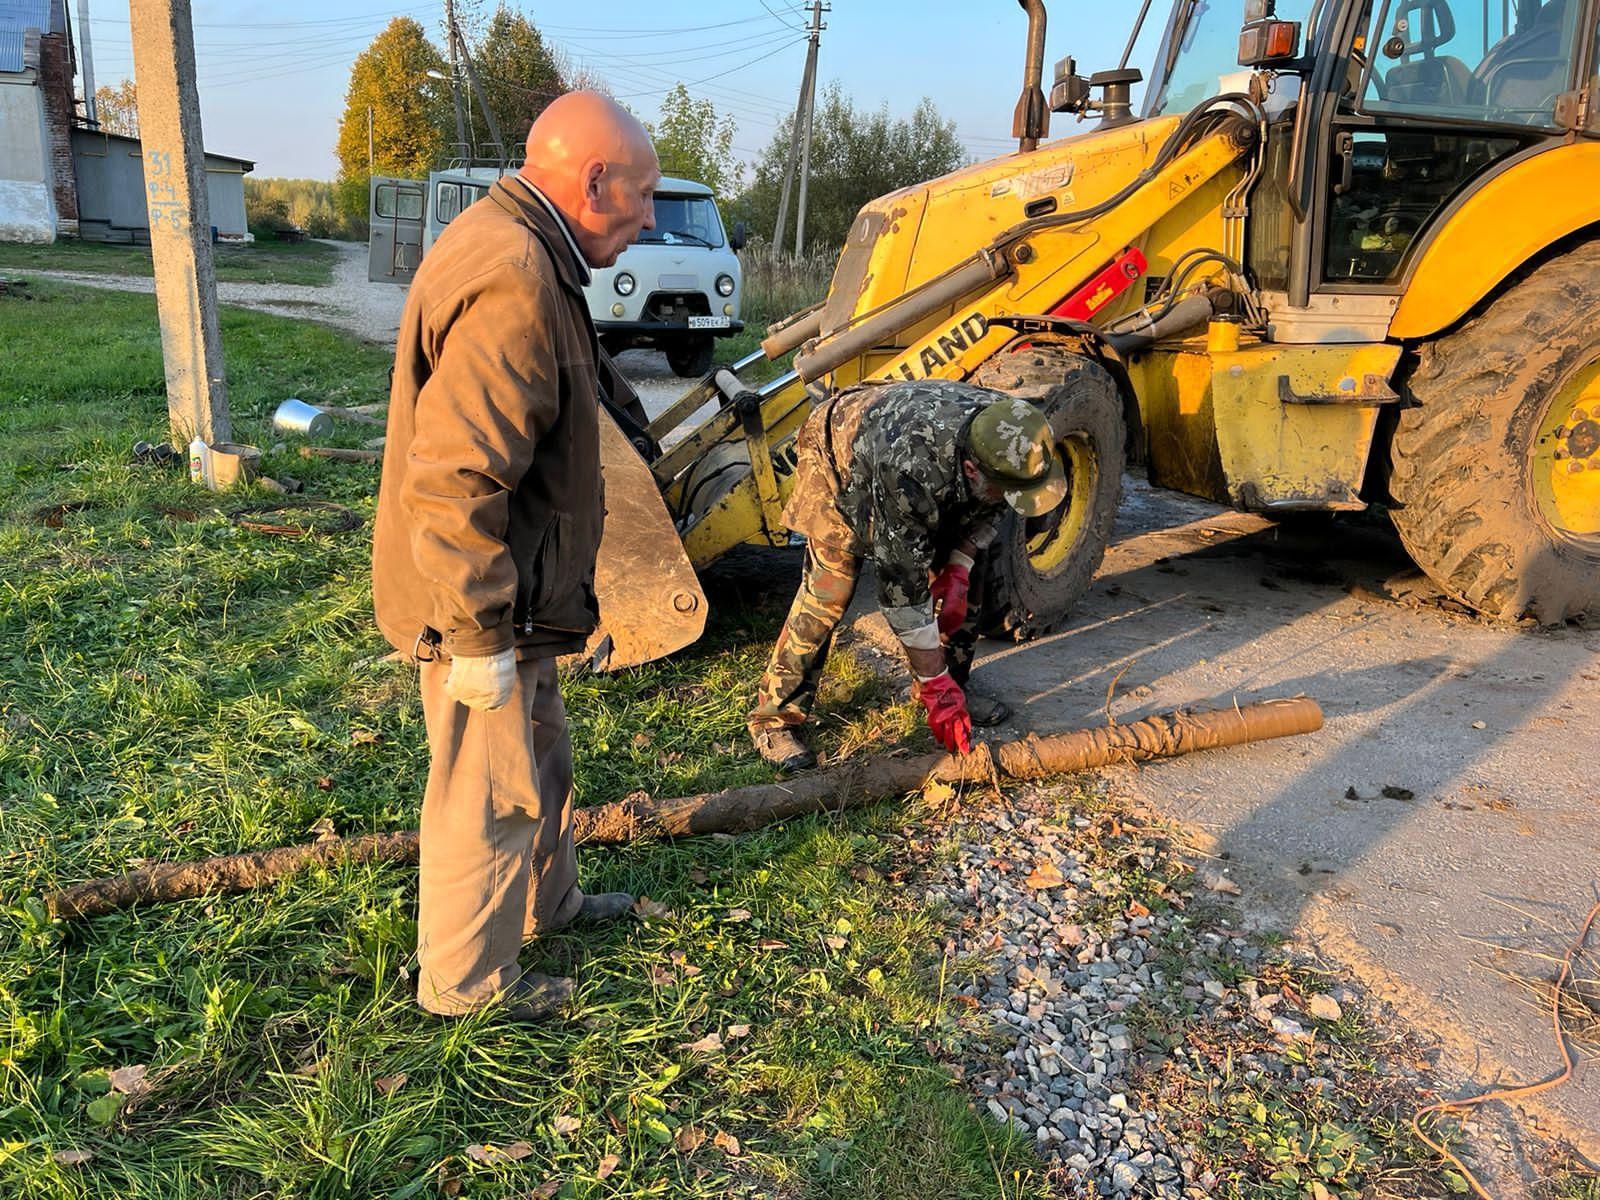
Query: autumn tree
x: 692, y: 143
x: 391, y: 78
x: 857, y: 155
x: 117, y: 108
x: 520, y: 74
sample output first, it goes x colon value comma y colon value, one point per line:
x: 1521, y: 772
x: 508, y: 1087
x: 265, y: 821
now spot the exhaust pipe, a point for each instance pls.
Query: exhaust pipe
x: 1031, y: 121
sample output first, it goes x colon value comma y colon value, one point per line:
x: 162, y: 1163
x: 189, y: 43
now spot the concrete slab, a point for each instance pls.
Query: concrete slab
x: 1441, y: 836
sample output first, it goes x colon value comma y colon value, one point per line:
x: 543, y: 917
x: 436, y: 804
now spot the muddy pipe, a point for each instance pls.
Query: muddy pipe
x: 979, y: 272
x: 1031, y: 121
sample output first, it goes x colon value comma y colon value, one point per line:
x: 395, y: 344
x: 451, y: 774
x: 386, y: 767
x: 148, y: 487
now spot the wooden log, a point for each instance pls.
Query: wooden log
x: 341, y: 455
x: 734, y: 810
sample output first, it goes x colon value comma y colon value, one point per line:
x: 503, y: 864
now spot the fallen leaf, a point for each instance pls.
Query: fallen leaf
x: 130, y: 1081
x: 72, y: 1158
x: 706, y: 1045
x: 939, y: 794
x: 735, y: 915
x: 515, y: 1152
x: 309, y: 1070
x: 450, y: 1186
x: 1319, y: 1191
x: 689, y: 1139
x: 727, y: 1143
x: 834, y: 942
x: 651, y: 910
x: 545, y: 1190
x: 1217, y: 882
x: 662, y: 977
x: 1324, y: 1008
x: 1135, y: 909
x: 362, y: 737
x: 738, y: 1031
x: 771, y: 944
x: 103, y: 1110
x: 565, y: 1125
x: 388, y: 1085
x: 607, y: 1165
x: 1045, y: 875
x: 325, y: 783
x: 323, y: 829
x: 642, y: 739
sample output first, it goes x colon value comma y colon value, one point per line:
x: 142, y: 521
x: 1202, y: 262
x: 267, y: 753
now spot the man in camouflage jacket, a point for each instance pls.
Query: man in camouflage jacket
x: 915, y: 476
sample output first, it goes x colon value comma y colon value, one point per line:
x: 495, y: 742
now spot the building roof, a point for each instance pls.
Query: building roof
x: 19, y: 16
x: 247, y: 163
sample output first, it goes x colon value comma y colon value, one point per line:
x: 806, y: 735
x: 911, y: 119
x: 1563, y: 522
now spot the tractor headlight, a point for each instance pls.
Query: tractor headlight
x: 725, y: 285
x: 625, y: 283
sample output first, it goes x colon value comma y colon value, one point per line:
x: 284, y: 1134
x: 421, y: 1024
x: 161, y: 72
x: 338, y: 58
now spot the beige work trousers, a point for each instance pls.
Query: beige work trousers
x: 498, y: 865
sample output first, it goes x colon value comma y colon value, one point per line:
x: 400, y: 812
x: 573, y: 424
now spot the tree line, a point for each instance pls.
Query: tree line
x: 402, y: 79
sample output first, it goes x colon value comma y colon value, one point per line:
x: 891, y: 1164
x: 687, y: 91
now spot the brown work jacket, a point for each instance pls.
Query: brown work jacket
x: 491, y: 505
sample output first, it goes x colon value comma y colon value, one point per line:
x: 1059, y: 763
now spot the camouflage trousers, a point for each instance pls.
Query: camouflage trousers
x: 789, y: 688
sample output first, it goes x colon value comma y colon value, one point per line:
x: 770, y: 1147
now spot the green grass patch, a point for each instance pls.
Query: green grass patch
x: 261, y: 262
x: 171, y: 685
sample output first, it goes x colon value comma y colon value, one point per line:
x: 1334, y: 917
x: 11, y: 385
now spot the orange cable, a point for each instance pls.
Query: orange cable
x: 1512, y: 1093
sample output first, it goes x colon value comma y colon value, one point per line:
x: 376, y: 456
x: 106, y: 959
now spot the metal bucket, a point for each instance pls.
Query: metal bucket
x: 296, y: 416
x: 233, y: 464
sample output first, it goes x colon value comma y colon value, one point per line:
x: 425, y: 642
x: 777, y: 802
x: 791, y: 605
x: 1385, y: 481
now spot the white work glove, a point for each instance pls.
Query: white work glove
x: 483, y: 684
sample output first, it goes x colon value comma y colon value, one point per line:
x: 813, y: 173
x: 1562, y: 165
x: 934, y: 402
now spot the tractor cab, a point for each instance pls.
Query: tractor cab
x: 1383, y: 117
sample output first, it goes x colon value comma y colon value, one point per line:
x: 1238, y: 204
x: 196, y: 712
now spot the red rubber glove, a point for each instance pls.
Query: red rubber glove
x: 947, y: 712
x: 950, y: 588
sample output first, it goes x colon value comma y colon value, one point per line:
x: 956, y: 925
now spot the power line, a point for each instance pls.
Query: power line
x: 696, y: 82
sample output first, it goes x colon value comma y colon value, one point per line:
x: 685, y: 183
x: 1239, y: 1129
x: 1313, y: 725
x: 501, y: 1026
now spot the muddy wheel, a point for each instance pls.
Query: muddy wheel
x: 1495, y: 472
x: 690, y: 358
x: 1039, y: 568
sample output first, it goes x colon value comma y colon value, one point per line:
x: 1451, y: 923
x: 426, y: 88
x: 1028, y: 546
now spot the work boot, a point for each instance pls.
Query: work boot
x: 783, y: 748
x: 536, y: 997
x: 604, y: 906
x: 987, y: 712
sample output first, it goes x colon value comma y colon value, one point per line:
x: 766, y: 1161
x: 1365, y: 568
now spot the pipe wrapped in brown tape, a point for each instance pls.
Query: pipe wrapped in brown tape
x: 734, y: 810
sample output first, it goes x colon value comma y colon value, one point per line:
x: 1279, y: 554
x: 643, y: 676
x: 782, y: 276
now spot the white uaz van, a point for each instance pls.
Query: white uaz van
x: 676, y: 289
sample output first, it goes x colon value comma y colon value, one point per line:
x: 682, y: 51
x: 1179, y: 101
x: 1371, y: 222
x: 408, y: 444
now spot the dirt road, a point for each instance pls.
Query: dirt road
x: 1440, y: 837
x: 350, y: 302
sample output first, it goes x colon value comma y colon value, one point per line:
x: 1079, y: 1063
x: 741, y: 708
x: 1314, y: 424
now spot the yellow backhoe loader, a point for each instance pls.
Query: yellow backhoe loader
x: 1349, y: 254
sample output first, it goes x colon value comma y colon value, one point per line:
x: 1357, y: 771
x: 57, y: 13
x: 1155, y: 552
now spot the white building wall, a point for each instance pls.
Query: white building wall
x: 27, y: 208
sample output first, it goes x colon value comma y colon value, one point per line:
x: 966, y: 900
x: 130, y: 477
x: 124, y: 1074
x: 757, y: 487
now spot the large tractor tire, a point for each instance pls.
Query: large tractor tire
x: 1039, y: 568
x: 1495, y: 471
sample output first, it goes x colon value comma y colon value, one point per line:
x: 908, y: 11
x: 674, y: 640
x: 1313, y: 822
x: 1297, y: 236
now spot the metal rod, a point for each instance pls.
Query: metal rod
x: 1133, y: 38
x: 915, y: 306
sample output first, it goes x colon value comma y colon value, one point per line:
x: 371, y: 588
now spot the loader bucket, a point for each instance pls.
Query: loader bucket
x: 651, y: 603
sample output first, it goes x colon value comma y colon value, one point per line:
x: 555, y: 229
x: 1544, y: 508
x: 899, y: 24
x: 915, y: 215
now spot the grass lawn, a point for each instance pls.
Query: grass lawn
x: 262, y: 262
x: 171, y: 685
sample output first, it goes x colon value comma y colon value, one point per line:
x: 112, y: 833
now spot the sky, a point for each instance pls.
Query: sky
x: 273, y: 74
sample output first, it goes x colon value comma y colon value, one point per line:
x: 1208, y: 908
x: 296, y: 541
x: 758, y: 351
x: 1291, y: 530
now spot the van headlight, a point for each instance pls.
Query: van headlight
x: 725, y: 285
x: 625, y: 283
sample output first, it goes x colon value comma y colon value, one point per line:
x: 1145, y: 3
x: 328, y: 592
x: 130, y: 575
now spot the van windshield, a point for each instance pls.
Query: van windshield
x: 684, y: 221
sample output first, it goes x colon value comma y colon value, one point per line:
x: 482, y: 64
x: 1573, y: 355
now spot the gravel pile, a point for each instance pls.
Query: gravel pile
x: 1070, y: 929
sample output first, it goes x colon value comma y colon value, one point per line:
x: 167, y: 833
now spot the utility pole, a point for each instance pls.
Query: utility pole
x: 86, y: 64
x: 471, y: 151
x: 817, y: 9
x: 795, y: 131
x: 180, y: 219
x: 483, y: 103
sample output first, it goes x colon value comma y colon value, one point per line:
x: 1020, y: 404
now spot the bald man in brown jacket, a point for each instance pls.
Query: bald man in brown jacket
x: 488, y: 523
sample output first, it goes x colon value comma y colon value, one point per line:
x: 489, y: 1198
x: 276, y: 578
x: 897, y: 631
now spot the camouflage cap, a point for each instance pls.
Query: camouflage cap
x: 1011, y: 444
